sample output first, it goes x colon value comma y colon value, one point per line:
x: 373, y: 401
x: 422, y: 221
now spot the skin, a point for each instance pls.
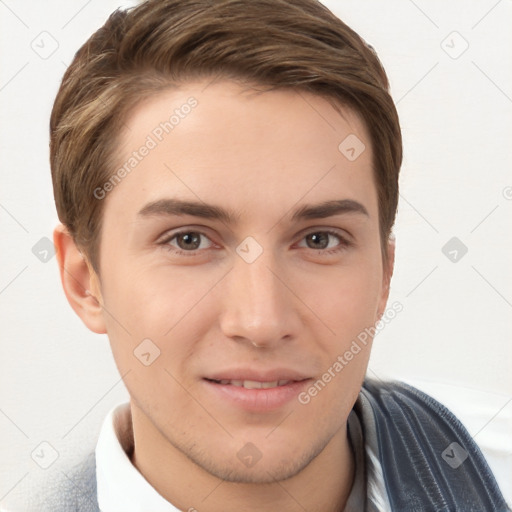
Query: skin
x: 296, y: 306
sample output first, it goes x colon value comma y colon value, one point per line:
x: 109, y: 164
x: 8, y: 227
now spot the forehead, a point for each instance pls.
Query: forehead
x: 250, y: 148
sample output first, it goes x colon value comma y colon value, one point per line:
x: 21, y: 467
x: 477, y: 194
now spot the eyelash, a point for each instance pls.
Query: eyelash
x: 344, y: 243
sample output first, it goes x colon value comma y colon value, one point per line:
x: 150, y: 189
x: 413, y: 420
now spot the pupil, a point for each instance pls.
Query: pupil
x: 319, y: 238
x: 190, y: 239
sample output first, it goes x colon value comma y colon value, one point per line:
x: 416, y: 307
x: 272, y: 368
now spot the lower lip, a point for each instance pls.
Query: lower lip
x: 257, y: 400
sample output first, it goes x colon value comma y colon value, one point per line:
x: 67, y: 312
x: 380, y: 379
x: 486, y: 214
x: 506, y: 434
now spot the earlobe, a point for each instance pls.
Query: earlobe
x: 79, y: 281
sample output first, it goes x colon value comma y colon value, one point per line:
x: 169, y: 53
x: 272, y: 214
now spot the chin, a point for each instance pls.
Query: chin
x: 265, y: 467
x: 263, y: 474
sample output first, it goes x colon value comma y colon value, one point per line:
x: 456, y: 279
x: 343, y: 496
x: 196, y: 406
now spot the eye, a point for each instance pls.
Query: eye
x: 322, y: 241
x: 186, y: 242
x: 193, y: 243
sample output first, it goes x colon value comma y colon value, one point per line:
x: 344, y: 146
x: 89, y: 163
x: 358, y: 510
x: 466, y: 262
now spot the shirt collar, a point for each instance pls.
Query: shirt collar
x: 121, y: 487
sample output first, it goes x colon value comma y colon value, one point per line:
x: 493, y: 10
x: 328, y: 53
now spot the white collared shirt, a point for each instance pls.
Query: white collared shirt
x: 121, y: 487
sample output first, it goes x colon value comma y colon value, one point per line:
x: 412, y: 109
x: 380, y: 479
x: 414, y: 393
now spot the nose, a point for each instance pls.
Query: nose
x: 258, y: 303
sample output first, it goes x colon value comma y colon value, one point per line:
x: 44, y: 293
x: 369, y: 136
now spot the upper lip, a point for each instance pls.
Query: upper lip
x: 267, y: 375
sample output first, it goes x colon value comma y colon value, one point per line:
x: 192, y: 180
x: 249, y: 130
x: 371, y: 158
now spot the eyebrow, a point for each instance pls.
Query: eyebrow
x: 169, y: 207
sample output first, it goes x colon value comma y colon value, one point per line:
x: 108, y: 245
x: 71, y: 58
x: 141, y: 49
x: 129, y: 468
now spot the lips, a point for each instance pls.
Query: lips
x: 252, y: 384
x: 255, y: 391
x: 252, y: 377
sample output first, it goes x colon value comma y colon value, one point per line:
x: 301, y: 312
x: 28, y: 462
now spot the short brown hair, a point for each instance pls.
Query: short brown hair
x: 294, y: 44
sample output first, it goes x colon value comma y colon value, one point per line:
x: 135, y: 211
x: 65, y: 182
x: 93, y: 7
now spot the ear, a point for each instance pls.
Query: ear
x: 387, y: 273
x: 80, y: 282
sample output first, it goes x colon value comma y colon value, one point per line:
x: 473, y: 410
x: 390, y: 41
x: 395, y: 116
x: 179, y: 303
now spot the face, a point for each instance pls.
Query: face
x: 239, y: 260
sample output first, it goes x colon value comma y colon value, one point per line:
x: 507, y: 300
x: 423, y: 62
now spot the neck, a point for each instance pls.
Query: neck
x: 321, y: 486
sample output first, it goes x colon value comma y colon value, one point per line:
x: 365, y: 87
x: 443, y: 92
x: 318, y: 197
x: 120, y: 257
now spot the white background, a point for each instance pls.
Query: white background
x: 453, y: 337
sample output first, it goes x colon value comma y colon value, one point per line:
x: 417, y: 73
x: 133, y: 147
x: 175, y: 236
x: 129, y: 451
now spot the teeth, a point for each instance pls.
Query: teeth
x: 253, y: 384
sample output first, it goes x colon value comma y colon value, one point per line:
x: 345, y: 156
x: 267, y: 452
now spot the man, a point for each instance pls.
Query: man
x: 226, y: 174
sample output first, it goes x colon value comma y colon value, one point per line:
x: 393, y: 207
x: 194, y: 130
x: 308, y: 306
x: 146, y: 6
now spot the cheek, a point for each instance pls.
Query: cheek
x: 164, y: 307
x: 348, y: 307
x: 347, y: 298
x: 151, y: 299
